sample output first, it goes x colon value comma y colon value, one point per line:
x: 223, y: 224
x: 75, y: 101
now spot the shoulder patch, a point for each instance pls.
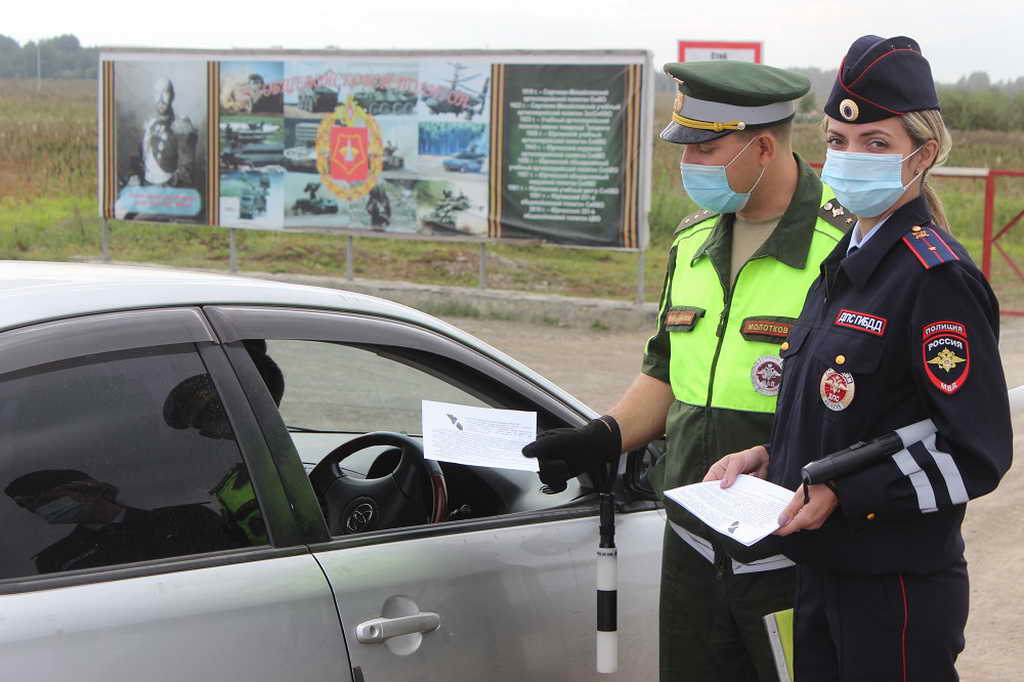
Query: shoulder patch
x: 926, y: 242
x: 837, y: 215
x: 693, y: 219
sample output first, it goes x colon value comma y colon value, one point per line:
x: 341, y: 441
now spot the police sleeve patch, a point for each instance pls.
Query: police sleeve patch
x: 929, y: 247
x: 693, y: 219
x: 946, y: 355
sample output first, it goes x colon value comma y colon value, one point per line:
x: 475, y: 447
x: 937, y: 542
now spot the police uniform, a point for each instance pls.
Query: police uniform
x: 717, y: 346
x: 902, y: 329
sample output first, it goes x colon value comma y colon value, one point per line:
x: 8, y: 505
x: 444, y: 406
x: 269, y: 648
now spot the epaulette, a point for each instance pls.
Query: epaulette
x: 693, y: 219
x: 928, y: 245
x: 836, y: 215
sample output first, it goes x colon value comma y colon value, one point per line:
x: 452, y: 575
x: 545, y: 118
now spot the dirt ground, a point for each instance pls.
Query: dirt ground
x: 602, y: 363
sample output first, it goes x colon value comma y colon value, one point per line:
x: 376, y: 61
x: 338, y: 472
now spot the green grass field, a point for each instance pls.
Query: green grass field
x: 48, y: 211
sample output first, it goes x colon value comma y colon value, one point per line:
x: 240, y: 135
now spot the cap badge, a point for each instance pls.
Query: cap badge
x: 837, y: 389
x: 677, y: 106
x: 849, y: 109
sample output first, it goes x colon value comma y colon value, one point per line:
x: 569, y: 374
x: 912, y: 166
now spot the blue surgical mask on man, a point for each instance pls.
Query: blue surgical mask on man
x: 64, y: 509
x: 866, y: 184
x: 709, y: 188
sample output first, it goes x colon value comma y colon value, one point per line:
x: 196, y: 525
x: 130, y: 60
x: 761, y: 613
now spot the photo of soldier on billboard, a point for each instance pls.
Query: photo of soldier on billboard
x: 161, y: 140
x: 252, y: 88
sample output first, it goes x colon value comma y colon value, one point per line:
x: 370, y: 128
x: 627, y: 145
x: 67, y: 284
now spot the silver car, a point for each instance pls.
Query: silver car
x: 211, y: 478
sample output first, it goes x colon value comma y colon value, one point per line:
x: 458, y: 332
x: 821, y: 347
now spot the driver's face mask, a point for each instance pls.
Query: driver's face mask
x: 65, y: 509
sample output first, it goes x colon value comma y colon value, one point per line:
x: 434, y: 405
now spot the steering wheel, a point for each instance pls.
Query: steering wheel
x: 357, y: 505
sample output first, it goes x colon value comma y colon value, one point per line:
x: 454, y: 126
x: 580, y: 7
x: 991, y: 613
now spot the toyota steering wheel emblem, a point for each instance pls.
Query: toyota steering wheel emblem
x: 360, y: 518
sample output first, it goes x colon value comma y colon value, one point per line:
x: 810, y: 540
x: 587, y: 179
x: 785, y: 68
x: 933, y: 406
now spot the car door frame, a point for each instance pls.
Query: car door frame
x: 50, y: 341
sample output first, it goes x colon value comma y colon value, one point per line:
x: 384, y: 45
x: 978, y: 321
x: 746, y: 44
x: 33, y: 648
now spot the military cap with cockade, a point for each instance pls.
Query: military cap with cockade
x: 881, y: 78
x: 716, y: 98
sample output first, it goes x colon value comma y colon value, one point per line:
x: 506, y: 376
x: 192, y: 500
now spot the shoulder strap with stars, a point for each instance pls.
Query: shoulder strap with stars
x: 837, y: 215
x: 927, y: 244
x: 693, y: 219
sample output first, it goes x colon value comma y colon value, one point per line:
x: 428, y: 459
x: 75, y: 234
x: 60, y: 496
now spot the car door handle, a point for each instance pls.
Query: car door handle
x: 380, y: 629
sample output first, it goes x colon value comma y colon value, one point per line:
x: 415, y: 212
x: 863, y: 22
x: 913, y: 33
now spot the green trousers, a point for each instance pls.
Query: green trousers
x: 711, y: 627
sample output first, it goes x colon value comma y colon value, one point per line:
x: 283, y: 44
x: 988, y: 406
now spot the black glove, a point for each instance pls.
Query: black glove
x: 566, y: 453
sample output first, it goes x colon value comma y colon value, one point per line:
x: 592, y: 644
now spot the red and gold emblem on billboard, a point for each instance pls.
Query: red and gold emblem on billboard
x: 349, y: 151
x: 349, y: 161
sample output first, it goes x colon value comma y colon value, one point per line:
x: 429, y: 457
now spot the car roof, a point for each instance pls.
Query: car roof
x: 33, y: 292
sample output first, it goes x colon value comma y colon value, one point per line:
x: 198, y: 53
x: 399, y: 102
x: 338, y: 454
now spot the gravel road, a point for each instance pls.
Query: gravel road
x: 596, y: 366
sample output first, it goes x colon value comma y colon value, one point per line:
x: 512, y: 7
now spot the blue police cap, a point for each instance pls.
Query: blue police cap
x: 880, y: 78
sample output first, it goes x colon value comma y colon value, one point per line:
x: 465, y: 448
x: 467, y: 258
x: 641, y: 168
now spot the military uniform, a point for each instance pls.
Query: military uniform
x: 902, y: 329
x: 718, y: 347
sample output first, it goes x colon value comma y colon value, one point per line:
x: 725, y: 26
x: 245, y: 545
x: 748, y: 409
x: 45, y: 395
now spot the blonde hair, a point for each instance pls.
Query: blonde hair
x: 923, y: 126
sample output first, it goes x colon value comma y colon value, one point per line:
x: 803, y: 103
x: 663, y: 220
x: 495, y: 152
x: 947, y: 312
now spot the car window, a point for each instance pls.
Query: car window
x: 337, y: 387
x: 117, y: 458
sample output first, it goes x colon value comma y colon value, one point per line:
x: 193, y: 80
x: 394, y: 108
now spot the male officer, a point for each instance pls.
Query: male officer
x: 738, y: 271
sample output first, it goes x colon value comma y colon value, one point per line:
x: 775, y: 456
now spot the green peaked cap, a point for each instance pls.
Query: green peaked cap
x: 734, y: 95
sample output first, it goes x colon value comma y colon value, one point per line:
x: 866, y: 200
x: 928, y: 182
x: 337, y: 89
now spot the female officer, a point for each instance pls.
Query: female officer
x: 900, y: 326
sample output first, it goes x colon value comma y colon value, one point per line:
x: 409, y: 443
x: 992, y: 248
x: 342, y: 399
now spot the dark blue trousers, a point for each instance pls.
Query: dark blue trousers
x: 884, y: 628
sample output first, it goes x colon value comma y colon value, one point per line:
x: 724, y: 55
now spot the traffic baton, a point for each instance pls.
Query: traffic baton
x: 607, y: 575
x: 862, y: 454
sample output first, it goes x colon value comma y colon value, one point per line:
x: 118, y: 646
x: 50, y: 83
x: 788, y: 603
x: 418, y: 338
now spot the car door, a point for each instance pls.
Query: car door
x: 507, y: 592
x: 147, y: 535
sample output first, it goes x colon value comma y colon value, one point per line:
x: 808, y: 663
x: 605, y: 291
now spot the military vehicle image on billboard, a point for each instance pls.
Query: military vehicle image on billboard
x: 313, y: 203
x: 383, y: 100
x: 457, y: 96
x: 318, y: 100
x: 251, y: 142
x: 300, y: 154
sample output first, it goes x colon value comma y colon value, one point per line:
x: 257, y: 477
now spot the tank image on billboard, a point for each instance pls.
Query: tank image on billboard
x: 385, y: 89
x: 452, y: 208
x: 455, y: 90
x: 252, y: 199
x: 251, y: 88
x: 447, y: 148
x: 160, y: 110
x: 248, y: 142
x: 401, y: 147
x: 310, y: 89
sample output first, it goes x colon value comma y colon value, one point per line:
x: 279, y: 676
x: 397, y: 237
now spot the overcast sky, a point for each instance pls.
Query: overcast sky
x: 957, y: 37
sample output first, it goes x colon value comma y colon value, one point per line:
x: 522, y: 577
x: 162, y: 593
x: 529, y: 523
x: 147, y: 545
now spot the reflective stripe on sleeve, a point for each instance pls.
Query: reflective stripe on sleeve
x: 922, y: 486
x: 948, y: 469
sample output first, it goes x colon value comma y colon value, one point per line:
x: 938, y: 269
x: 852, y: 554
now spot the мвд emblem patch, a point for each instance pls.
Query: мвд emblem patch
x: 946, y: 355
x: 837, y: 389
x: 766, y: 374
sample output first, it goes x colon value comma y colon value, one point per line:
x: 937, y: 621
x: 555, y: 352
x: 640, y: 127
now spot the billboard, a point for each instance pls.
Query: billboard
x: 484, y: 145
x: 709, y: 50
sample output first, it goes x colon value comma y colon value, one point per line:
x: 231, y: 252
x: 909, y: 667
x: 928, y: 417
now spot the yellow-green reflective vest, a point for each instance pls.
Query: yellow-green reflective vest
x: 718, y: 347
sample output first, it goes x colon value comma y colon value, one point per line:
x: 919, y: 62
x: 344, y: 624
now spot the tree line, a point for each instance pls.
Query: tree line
x: 972, y: 103
x: 60, y: 57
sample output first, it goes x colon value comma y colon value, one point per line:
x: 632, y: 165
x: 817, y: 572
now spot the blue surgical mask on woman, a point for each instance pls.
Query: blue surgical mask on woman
x: 866, y: 184
x: 709, y: 188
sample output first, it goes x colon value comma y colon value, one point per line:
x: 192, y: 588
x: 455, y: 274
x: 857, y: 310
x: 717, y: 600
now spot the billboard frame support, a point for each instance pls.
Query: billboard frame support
x: 349, y: 255
x: 483, y: 265
x: 232, y: 251
x: 105, y: 240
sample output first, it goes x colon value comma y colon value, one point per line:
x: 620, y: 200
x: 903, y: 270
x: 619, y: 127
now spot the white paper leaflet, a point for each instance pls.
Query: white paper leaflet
x: 478, y: 436
x: 747, y: 511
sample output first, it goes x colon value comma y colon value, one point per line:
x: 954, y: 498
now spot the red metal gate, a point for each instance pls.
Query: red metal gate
x: 990, y: 240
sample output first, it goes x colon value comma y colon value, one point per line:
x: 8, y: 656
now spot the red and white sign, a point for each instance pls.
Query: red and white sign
x: 706, y: 51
